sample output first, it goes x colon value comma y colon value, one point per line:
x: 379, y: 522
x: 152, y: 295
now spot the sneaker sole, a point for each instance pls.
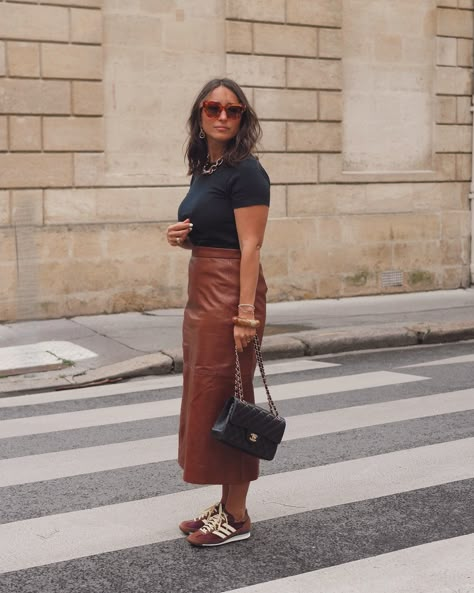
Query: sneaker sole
x: 229, y: 540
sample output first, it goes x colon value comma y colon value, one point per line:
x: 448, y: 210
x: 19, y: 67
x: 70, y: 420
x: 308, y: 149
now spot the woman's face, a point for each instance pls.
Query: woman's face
x: 222, y: 129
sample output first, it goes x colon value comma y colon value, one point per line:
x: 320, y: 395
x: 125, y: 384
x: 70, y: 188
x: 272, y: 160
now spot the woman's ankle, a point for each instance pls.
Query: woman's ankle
x: 237, y: 514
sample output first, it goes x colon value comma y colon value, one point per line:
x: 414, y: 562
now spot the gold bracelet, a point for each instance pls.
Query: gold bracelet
x: 242, y: 322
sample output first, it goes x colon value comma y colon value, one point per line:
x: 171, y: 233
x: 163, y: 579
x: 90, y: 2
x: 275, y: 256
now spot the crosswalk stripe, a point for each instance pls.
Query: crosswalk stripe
x: 87, y: 460
x: 308, y: 425
x: 170, y: 407
x: 91, y: 392
x: 444, y: 565
x: 87, y: 418
x: 339, y: 384
x: 168, y: 382
x: 55, y: 538
x: 441, y: 361
x: 295, y: 366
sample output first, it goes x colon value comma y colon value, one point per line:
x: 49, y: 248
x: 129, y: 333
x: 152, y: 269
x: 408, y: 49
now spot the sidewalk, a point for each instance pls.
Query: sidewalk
x: 61, y: 353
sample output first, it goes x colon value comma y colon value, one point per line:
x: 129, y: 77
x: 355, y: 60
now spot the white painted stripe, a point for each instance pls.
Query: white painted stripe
x: 166, y: 382
x: 66, y: 350
x: 76, y: 534
x: 87, y: 460
x: 441, y: 566
x: 28, y: 355
x: 442, y: 361
x: 90, y: 392
x: 87, y: 418
x: 170, y: 407
x: 61, y: 464
x: 293, y: 366
x: 308, y: 425
x: 26, y: 359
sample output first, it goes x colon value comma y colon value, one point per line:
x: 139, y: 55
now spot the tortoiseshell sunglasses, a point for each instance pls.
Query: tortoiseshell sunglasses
x: 213, y: 109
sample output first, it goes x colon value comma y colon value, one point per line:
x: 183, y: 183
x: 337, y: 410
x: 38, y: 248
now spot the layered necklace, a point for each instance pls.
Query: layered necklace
x: 209, y: 167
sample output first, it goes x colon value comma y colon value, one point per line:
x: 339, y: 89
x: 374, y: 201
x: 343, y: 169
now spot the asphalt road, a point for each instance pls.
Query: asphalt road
x: 372, y: 490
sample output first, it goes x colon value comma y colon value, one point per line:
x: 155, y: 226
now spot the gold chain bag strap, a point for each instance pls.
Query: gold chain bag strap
x: 246, y: 426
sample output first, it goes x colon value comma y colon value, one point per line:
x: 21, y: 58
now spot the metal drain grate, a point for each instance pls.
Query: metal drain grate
x: 392, y: 278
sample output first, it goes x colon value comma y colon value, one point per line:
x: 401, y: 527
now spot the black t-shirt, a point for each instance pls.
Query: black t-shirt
x: 212, y: 199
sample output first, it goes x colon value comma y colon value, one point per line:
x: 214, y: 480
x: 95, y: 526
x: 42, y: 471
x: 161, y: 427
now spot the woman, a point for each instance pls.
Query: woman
x: 222, y: 219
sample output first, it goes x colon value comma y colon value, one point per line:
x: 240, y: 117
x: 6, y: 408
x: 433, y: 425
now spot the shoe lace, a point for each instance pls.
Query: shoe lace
x: 217, y: 507
x: 214, y: 522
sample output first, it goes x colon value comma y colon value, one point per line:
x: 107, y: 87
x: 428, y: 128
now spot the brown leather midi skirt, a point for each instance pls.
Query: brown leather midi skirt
x: 209, y: 366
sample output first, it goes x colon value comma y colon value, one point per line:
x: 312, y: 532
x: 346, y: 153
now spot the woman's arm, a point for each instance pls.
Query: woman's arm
x: 251, y: 222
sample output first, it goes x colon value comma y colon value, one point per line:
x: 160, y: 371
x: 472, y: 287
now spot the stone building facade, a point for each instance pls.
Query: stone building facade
x: 366, y: 112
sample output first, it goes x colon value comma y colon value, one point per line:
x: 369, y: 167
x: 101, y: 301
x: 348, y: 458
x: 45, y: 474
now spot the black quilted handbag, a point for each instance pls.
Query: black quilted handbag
x: 246, y: 426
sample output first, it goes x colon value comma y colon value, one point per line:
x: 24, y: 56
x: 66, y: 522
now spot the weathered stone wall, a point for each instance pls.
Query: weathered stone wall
x: 50, y: 113
x: 108, y: 174
x: 94, y: 95
x: 366, y: 112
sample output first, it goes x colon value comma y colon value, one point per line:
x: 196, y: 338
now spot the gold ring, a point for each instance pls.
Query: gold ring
x: 178, y: 240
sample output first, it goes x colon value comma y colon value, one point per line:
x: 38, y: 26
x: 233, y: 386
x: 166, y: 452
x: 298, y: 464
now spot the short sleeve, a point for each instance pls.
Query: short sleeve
x: 249, y: 184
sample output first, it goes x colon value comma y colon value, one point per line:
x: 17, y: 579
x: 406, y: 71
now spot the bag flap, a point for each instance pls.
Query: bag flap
x: 257, y: 420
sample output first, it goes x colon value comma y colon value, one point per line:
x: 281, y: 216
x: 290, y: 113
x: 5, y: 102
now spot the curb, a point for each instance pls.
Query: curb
x: 292, y: 345
x: 352, y: 338
x: 149, y: 364
x: 319, y: 342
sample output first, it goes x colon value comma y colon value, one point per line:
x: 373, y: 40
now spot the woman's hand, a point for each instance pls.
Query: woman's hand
x: 243, y: 337
x: 178, y: 233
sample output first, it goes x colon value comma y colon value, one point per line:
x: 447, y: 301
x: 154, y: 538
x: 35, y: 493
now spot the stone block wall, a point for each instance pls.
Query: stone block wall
x: 94, y: 96
x: 51, y: 108
x: 397, y: 223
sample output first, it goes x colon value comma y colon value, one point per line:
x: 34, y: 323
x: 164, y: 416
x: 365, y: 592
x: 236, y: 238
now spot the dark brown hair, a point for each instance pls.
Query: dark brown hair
x: 239, y: 147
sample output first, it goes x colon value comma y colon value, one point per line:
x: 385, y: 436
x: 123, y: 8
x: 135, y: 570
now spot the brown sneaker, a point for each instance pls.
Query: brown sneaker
x: 193, y: 525
x: 221, y: 529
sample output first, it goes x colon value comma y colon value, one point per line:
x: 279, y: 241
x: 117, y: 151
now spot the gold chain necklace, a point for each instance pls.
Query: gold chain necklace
x: 209, y: 169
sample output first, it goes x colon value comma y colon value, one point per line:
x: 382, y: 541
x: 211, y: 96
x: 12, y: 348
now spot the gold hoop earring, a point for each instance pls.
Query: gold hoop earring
x: 202, y: 135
